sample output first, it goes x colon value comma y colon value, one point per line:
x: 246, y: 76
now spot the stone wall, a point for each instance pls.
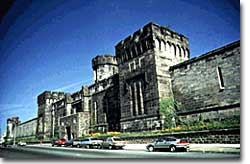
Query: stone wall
x: 209, y: 83
x: 27, y: 129
x: 74, y: 125
x: 105, y: 111
x: 223, y: 136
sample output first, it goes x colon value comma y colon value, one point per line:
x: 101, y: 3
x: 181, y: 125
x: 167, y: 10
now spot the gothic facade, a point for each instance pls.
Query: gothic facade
x: 151, y: 64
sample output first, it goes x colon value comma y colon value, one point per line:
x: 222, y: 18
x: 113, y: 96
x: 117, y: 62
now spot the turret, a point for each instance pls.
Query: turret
x: 45, y: 101
x: 153, y: 37
x: 104, y: 66
x: 11, y: 125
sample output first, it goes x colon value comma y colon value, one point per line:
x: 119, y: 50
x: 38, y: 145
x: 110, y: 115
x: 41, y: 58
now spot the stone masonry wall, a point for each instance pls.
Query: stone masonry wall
x: 27, y: 129
x: 222, y: 136
x: 76, y: 124
x: 209, y: 83
x: 105, y: 111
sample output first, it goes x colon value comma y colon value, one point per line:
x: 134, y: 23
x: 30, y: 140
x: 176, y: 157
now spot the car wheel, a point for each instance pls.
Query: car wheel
x: 110, y: 147
x: 172, y: 148
x: 151, y: 148
x: 78, y: 146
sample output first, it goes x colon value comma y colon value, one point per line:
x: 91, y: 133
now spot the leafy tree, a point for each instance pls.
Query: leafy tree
x: 168, y: 112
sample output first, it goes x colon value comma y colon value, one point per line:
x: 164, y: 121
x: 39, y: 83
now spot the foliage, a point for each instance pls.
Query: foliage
x: 167, y: 112
x: 28, y: 140
x: 186, y: 125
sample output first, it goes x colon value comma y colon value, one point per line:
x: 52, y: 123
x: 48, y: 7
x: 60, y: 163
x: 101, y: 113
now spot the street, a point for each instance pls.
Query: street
x: 48, y: 152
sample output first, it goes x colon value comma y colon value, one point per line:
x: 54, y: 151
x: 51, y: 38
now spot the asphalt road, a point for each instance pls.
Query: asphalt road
x: 43, y: 153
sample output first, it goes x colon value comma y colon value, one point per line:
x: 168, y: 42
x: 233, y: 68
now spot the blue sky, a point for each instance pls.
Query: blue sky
x: 48, y: 45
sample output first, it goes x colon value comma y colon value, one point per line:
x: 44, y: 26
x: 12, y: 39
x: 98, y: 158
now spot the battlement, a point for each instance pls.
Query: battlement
x: 103, y: 60
x: 13, y: 120
x: 145, y: 39
x: 41, y: 99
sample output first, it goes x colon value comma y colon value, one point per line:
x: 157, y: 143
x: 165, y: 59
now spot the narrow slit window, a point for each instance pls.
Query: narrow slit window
x: 220, y: 78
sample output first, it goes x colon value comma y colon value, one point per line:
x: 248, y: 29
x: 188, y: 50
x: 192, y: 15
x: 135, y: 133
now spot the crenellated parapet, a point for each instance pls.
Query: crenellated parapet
x: 152, y: 37
x: 12, y: 123
x: 49, y: 95
x: 104, y: 66
x: 106, y: 59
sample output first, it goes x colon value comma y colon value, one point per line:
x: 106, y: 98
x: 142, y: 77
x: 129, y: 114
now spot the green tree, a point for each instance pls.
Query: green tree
x: 168, y: 111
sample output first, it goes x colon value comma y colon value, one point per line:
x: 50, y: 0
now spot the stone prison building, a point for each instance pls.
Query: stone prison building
x: 150, y: 64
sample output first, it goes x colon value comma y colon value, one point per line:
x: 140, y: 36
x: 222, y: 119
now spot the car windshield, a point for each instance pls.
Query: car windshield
x: 94, y: 139
x: 117, y: 139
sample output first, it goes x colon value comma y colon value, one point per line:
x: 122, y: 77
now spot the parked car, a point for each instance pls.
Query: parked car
x: 113, y: 142
x: 59, y: 142
x: 88, y: 143
x: 21, y: 143
x: 76, y: 143
x: 170, y: 143
x: 69, y: 142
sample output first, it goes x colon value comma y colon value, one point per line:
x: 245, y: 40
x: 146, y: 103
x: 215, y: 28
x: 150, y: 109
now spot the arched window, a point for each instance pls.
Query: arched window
x: 178, y: 51
x: 134, y: 51
x: 128, y: 52
x: 183, y: 52
x: 173, y: 50
x: 144, y: 46
x: 163, y: 45
x: 187, y: 53
x: 138, y: 47
x: 168, y: 48
x: 157, y: 44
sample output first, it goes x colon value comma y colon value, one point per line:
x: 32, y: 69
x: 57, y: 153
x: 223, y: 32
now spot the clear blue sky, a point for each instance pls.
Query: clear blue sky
x: 49, y: 44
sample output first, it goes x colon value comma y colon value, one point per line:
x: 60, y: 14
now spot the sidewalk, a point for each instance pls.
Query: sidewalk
x: 219, y: 148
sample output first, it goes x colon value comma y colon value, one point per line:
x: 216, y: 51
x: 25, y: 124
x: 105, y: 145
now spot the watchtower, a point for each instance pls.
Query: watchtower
x: 12, y: 124
x: 144, y: 59
x: 104, y: 66
x: 45, y: 101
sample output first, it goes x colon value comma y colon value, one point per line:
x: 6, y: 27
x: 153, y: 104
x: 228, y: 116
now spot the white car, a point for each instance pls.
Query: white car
x: 21, y: 143
x: 113, y: 142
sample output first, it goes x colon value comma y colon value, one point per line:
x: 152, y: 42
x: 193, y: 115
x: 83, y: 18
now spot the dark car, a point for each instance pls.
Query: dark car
x: 113, y: 142
x: 170, y: 143
x: 59, y: 142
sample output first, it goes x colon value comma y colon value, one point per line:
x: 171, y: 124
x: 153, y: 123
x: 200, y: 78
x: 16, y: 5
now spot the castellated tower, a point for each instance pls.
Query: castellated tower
x: 144, y: 59
x: 45, y: 101
x: 12, y: 124
x: 104, y: 66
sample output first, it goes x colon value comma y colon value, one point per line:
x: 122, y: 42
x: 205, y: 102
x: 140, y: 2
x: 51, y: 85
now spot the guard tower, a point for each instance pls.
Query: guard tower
x: 12, y: 124
x: 45, y: 101
x: 104, y: 66
x: 144, y: 59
